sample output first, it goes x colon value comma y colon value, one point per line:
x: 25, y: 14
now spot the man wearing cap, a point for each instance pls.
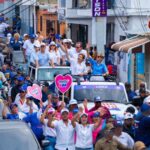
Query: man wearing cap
x: 108, y: 142
x: 98, y: 67
x: 143, y: 130
x: 97, y: 101
x: 64, y: 132
x: 34, y: 55
x: 28, y: 47
x: 15, y: 114
x: 128, y: 125
x: 123, y: 137
x: 16, y: 89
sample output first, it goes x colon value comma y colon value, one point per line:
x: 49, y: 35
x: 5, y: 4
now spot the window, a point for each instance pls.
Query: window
x: 63, y: 3
x: 110, y: 4
x: 82, y: 4
x: 41, y: 22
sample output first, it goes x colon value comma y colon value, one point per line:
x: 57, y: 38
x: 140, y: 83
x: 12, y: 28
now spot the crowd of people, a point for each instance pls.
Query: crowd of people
x: 66, y: 125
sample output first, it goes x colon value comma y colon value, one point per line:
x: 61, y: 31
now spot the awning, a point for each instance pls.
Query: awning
x: 132, y: 43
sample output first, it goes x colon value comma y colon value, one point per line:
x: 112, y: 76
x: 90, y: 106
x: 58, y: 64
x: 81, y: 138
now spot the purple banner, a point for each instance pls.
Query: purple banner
x: 99, y: 8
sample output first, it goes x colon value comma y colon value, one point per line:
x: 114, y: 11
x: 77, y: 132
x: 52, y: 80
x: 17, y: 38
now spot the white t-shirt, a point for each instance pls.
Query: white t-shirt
x: 77, y: 68
x: 65, y: 135
x: 74, y: 54
x: 84, y: 136
x: 125, y: 139
x: 23, y: 107
x: 3, y: 26
x: 29, y: 47
x: 55, y: 56
x: 34, y: 57
x: 47, y: 131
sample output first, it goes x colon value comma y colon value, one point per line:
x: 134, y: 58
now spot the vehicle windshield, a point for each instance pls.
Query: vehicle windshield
x: 47, y: 74
x: 106, y: 92
x: 17, y: 138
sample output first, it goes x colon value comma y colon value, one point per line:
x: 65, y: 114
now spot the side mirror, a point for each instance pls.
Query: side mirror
x: 45, y: 143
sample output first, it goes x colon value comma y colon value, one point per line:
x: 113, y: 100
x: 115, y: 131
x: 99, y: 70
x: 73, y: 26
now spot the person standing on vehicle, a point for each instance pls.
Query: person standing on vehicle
x: 28, y: 47
x: 98, y: 105
x: 44, y: 58
x: 98, y: 68
x: 54, y: 53
x: 34, y: 55
x: 65, y: 132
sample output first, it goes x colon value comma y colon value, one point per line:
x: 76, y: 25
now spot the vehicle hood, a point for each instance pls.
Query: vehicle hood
x: 116, y: 109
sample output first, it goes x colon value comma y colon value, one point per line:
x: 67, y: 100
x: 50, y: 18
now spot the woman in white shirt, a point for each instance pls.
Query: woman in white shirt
x: 84, y: 139
x: 54, y: 52
x: 49, y: 133
x: 78, y: 67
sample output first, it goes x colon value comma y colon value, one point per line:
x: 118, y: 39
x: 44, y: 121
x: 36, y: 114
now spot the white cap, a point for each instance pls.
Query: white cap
x: 83, y: 114
x: 70, y: 41
x: 51, y: 110
x: 25, y: 35
x: 128, y: 116
x: 147, y: 100
x: 65, y: 40
x: 52, y: 43
x: 43, y: 44
x: 9, y: 35
x: 72, y: 102
x: 64, y: 110
x: 37, y: 44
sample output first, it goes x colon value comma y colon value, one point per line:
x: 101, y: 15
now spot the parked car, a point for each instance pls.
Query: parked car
x: 16, y: 135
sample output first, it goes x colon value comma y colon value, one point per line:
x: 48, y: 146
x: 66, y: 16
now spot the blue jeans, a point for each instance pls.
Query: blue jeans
x: 52, y: 143
x: 77, y: 148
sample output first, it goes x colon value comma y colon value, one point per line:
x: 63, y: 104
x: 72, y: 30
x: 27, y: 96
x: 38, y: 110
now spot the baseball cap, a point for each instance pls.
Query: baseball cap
x: 46, y: 84
x: 51, y: 110
x: 145, y: 107
x: 97, y: 99
x: 23, y: 87
x: 12, y: 105
x: 55, y: 95
x: 32, y: 36
x: 70, y: 41
x: 52, y: 43
x: 20, y: 78
x: 96, y: 114
x: 43, y: 44
x: 118, y: 124
x: 72, y: 102
x: 65, y: 41
x: 64, y: 110
x: 37, y: 44
x: 84, y: 114
x: 128, y: 116
x: 147, y: 100
x: 139, y: 145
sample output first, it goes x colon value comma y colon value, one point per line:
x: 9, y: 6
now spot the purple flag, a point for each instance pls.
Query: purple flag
x: 99, y: 8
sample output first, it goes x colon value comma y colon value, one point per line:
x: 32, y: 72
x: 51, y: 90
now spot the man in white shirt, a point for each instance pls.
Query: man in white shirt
x: 123, y: 137
x: 64, y: 131
x: 29, y: 47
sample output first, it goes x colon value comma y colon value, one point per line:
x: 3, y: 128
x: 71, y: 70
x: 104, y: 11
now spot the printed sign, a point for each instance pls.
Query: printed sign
x: 99, y: 8
x: 111, y: 106
x: 63, y: 83
x: 35, y: 91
